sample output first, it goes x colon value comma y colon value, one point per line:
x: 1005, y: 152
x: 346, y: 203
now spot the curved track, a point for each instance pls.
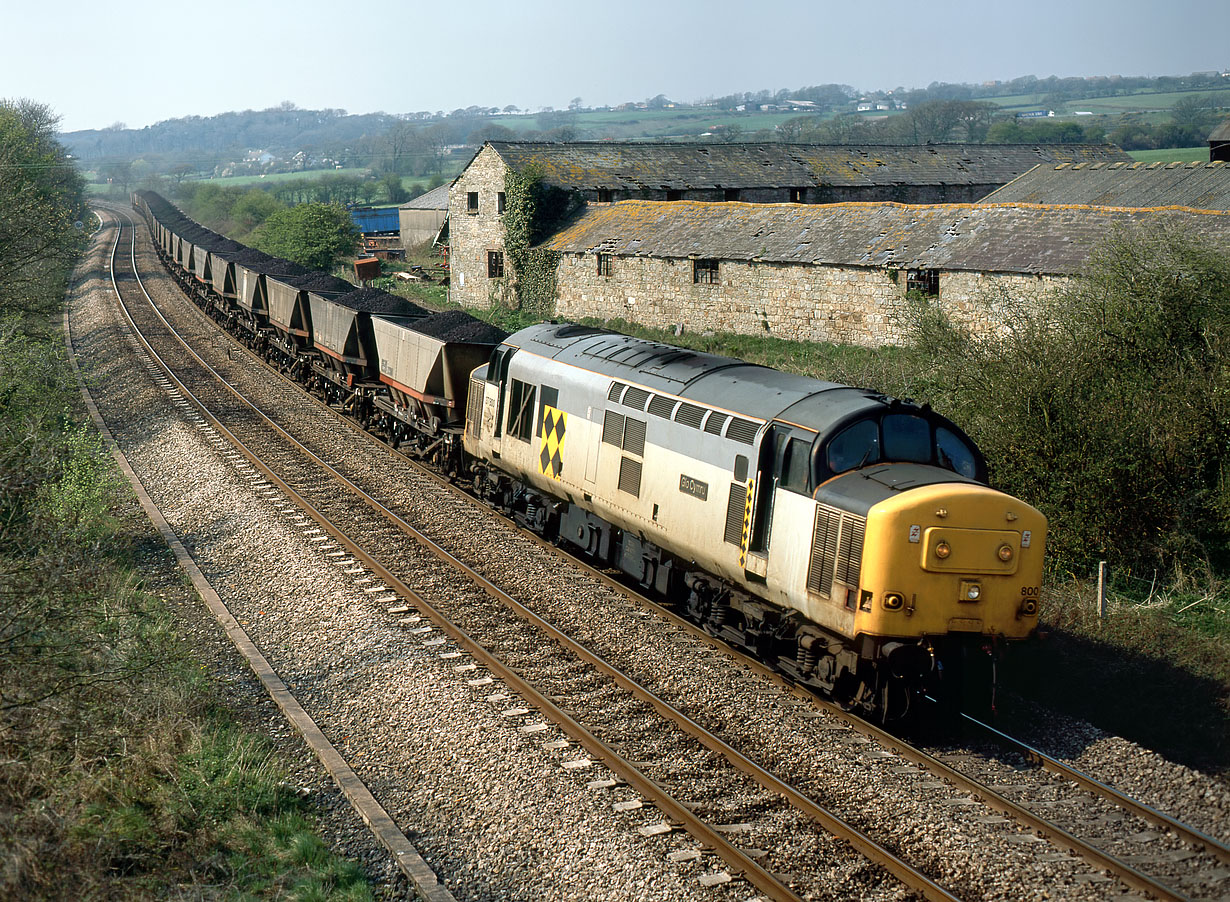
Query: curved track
x: 395, y: 531
x: 272, y: 450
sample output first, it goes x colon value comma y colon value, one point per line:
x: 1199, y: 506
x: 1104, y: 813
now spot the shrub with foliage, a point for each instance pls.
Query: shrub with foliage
x: 42, y: 197
x: 314, y: 235
x: 1109, y: 405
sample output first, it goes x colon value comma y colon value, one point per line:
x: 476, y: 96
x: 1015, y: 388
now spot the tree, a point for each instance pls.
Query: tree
x: 314, y: 235
x: 253, y: 209
x: 42, y: 197
x: 393, y: 188
x: 1118, y: 422
x: 118, y: 172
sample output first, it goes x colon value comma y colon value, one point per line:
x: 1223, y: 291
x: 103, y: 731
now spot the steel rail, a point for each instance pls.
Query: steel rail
x: 407, y: 858
x: 1158, y: 818
x: 866, y: 846
x: 761, y: 878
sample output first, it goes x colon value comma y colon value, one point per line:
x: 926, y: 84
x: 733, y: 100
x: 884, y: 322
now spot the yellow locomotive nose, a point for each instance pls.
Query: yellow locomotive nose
x: 976, y: 569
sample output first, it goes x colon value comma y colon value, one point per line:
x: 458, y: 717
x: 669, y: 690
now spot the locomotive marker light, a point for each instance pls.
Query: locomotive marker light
x: 1005, y: 553
x: 942, y: 550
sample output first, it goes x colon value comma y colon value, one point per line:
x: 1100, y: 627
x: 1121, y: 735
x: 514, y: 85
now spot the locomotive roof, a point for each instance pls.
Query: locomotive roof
x: 726, y: 383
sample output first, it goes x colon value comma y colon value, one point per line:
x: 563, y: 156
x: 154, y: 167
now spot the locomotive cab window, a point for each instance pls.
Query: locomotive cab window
x: 795, y: 465
x: 901, y: 437
x: 907, y: 438
x: 521, y: 410
x: 952, y: 453
x: 855, y: 446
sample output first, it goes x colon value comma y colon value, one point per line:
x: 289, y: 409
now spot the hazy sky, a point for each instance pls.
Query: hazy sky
x: 142, y: 61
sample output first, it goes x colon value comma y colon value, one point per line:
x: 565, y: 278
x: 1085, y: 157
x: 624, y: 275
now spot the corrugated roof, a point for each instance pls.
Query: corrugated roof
x: 435, y: 199
x: 647, y: 166
x: 1200, y: 186
x: 1221, y: 133
x: 1020, y: 238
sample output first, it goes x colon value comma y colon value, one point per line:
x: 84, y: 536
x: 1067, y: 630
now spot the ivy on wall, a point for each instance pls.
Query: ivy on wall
x: 532, y: 211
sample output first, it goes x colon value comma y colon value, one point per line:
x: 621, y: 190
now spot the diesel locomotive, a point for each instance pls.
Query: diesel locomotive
x: 846, y: 537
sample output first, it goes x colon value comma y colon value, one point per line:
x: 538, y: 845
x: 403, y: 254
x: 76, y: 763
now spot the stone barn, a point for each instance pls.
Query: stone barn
x: 837, y: 272
x: 598, y: 173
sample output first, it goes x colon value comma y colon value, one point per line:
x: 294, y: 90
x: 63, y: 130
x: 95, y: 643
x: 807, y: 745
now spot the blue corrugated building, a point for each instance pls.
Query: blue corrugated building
x: 376, y: 221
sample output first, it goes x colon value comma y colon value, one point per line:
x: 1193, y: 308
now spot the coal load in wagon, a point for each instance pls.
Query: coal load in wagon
x: 375, y: 300
x: 322, y: 283
x: 457, y: 326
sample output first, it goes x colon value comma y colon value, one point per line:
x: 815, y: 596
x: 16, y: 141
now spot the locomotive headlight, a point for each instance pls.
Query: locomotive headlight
x: 973, y: 592
x: 1005, y: 553
x: 942, y: 550
x: 894, y: 601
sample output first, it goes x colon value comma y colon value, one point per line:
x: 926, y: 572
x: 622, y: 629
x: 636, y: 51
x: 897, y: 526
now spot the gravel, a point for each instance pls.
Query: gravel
x: 489, y: 806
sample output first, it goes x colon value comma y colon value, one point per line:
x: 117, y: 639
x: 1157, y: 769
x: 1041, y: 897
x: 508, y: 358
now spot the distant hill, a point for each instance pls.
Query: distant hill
x: 279, y: 130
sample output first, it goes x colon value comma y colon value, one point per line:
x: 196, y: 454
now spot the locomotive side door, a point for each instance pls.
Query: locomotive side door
x: 760, y: 515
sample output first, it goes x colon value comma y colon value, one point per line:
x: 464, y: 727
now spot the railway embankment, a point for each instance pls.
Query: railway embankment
x: 127, y: 771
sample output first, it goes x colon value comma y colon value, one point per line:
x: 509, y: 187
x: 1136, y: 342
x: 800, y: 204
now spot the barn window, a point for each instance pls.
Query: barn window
x: 705, y: 272
x: 471, y: 201
x: 797, y: 195
x: 500, y: 201
x: 604, y: 195
x: 604, y: 265
x: 495, y: 264
x: 674, y: 195
x: 730, y: 194
x: 925, y: 281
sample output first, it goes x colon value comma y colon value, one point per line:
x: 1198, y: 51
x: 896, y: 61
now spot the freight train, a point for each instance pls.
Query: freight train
x: 848, y: 538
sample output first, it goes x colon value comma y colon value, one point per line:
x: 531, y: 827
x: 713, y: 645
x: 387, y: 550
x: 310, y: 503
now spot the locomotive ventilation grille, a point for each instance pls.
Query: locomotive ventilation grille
x: 662, y: 406
x: 735, y: 508
x: 630, y: 476
x: 836, y: 550
x: 635, y: 397
x: 742, y: 431
x: 474, y: 408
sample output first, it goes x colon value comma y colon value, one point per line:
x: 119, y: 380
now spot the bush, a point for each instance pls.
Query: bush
x: 1108, y: 406
x: 314, y: 235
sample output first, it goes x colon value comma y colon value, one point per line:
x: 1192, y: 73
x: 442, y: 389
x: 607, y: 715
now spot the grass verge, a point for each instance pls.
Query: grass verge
x: 123, y: 774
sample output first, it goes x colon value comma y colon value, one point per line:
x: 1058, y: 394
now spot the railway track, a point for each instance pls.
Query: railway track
x: 569, y: 694
x: 596, y: 698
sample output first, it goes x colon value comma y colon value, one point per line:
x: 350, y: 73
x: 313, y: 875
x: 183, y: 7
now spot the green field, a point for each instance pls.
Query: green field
x: 631, y: 124
x: 1107, y: 106
x: 1172, y: 155
x: 312, y: 174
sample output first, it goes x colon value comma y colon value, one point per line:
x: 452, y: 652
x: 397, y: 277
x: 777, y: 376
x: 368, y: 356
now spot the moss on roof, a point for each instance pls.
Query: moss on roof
x: 1021, y: 238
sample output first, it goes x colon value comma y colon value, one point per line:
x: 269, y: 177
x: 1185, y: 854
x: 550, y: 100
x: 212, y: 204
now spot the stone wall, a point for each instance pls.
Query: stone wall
x: 799, y: 302
x: 473, y: 235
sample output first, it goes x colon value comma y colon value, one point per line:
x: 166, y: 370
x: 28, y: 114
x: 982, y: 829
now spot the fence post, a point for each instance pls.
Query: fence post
x: 1101, y: 590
